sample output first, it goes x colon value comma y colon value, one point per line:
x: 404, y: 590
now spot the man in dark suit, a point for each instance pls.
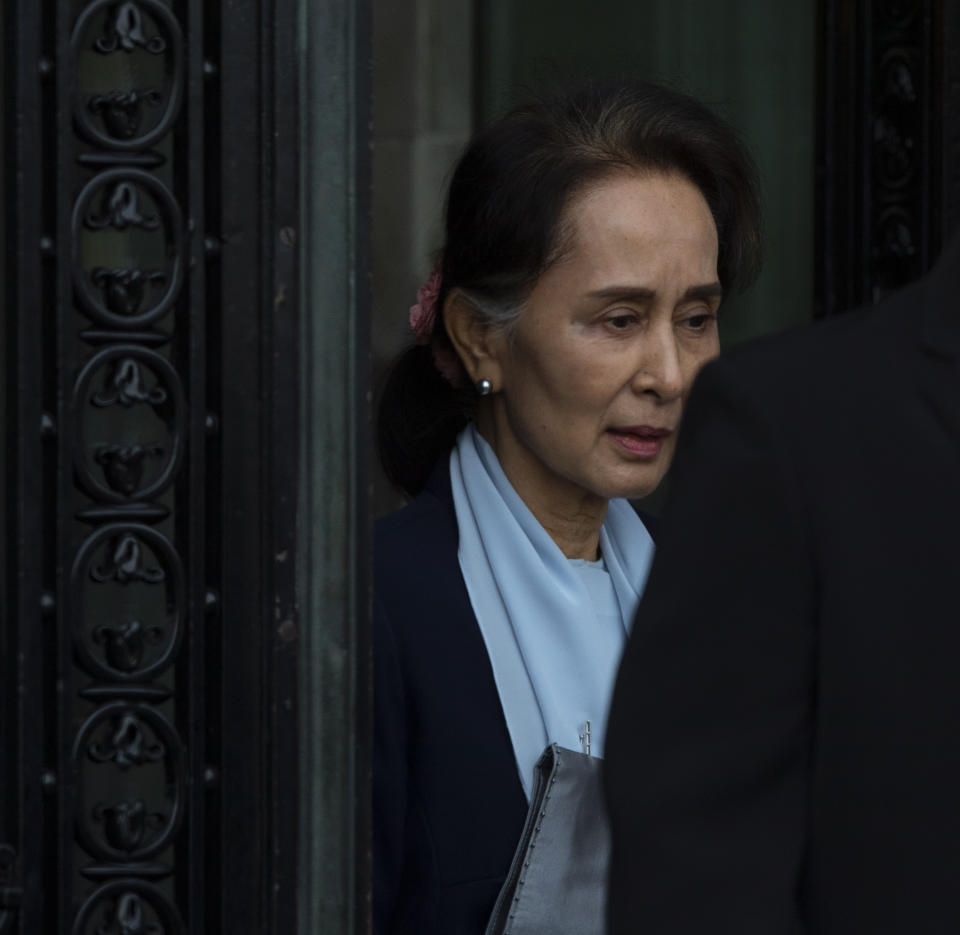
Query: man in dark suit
x: 783, y: 752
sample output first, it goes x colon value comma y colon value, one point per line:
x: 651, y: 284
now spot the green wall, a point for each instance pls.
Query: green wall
x: 753, y: 60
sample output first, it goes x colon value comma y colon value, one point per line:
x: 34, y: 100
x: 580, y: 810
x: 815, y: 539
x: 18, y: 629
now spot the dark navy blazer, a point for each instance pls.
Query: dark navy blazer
x: 448, y: 805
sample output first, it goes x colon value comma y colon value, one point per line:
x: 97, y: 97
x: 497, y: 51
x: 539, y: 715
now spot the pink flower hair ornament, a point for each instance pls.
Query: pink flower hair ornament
x: 423, y: 315
x: 423, y: 320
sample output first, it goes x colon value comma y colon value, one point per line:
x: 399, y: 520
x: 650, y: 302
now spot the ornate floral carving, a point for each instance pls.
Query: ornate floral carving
x: 121, y: 293
x: 128, y: 601
x: 125, y: 31
x: 126, y: 824
x: 115, y: 118
x: 897, y: 128
x: 126, y: 564
x: 125, y: 643
x: 127, y: 635
x: 123, y: 465
x: 127, y: 745
x: 898, y: 82
x: 128, y: 907
x: 897, y: 150
x: 131, y: 785
x: 120, y: 209
x: 897, y: 241
x: 126, y: 386
x: 121, y: 110
x: 123, y: 289
x: 896, y: 249
x: 127, y: 917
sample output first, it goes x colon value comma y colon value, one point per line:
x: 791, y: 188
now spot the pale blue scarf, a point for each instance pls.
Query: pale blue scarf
x: 553, y: 662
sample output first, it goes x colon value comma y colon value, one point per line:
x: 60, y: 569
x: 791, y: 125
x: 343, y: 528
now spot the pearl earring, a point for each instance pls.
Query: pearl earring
x: 484, y: 387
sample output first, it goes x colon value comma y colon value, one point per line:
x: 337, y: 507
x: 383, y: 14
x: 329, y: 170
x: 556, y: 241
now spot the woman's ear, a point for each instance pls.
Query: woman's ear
x: 479, y: 346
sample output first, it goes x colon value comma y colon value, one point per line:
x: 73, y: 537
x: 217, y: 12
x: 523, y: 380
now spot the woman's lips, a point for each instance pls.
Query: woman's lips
x: 641, y: 441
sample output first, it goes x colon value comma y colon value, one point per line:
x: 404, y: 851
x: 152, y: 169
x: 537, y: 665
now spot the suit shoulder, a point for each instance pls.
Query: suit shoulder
x: 840, y: 357
x: 415, y: 545
x: 421, y: 521
x: 421, y: 603
x: 826, y: 340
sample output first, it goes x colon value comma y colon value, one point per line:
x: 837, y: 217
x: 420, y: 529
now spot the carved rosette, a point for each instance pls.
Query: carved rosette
x: 128, y: 432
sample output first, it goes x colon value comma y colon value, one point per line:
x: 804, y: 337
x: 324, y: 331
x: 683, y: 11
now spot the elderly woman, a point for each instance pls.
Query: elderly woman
x: 590, y: 239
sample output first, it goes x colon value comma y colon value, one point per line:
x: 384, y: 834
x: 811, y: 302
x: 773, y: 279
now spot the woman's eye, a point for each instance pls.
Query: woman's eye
x: 622, y: 321
x: 699, y: 322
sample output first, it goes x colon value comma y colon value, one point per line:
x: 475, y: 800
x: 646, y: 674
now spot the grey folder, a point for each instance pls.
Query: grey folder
x: 558, y: 879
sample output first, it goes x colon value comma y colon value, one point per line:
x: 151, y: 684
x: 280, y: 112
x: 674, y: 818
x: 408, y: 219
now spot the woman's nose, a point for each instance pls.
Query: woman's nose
x: 659, y: 371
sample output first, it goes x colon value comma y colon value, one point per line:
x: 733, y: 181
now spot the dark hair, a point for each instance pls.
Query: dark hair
x: 504, y: 214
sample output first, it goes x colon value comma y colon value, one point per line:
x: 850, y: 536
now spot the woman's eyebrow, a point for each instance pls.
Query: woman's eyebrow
x: 626, y: 293
x: 711, y: 290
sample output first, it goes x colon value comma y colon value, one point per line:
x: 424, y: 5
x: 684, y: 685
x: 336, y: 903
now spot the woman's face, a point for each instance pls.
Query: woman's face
x: 593, y: 378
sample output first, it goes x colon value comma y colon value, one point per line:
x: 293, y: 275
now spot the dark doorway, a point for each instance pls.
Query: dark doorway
x: 152, y: 638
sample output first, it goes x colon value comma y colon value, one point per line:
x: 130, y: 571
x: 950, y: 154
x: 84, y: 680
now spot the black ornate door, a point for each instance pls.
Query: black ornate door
x: 148, y: 667
x: 889, y: 145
